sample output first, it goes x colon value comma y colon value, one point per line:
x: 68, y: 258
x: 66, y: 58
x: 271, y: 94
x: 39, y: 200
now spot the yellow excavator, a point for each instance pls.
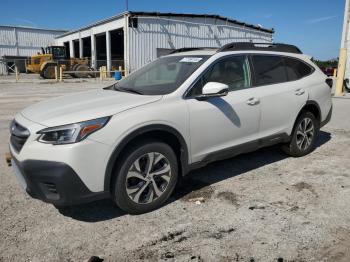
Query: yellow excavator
x: 44, y: 63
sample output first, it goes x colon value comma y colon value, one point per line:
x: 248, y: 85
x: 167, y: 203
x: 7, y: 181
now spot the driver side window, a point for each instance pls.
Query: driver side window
x: 233, y: 71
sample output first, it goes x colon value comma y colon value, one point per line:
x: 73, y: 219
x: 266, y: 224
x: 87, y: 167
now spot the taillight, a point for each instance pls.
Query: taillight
x: 329, y: 82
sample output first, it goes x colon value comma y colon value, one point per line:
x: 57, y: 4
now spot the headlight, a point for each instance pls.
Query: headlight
x: 72, y: 133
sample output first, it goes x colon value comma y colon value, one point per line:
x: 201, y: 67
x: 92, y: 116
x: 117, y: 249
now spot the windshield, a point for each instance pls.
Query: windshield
x: 161, y: 77
x: 59, y: 51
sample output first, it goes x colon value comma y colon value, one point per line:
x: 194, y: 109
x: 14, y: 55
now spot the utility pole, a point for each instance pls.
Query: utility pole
x: 342, y: 64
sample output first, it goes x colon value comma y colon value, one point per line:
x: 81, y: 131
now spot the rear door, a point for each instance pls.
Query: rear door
x: 280, y: 92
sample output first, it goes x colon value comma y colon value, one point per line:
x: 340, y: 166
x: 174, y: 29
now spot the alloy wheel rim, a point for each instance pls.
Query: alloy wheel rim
x: 305, y: 134
x: 148, y: 178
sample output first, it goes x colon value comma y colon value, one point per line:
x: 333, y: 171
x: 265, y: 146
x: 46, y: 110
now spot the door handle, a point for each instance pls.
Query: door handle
x: 299, y: 92
x: 253, y: 101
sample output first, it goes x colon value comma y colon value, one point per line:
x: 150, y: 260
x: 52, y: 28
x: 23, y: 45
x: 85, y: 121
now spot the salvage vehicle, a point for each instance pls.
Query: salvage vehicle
x: 132, y: 141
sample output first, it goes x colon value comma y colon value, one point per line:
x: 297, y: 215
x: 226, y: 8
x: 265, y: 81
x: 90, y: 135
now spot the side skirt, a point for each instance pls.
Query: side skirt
x: 240, y: 149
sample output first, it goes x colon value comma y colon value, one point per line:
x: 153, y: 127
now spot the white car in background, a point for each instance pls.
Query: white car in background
x: 131, y: 141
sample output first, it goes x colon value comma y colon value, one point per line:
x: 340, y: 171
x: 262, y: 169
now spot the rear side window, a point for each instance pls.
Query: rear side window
x: 297, y: 69
x: 268, y: 70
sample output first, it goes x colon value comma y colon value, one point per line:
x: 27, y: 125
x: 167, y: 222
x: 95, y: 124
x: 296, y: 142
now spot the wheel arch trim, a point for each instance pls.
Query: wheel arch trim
x: 307, y: 103
x: 313, y: 103
x: 184, y: 154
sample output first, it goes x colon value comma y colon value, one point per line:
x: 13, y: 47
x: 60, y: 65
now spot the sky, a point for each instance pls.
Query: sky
x: 313, y: 25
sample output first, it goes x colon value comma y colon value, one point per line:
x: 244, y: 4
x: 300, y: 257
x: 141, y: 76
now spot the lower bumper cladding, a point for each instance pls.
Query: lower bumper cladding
x: 55, y: 183
x: 328, y: 118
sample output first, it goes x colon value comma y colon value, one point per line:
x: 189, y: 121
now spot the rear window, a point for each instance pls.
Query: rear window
x: 268, y: 70
x: 296, y: 69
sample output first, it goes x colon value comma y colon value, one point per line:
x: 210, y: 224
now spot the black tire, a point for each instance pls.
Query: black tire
x: 140, y: 153
x: 296, y: 149
x: 49, y: 72
x: 73, y: 68
x: 83, y: 73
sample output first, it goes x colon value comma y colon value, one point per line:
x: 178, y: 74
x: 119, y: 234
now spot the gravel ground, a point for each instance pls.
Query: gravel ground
x: 262, y: 206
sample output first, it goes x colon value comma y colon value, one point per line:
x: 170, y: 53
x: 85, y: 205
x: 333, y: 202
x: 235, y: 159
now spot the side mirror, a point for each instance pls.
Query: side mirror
x: 213, y: 89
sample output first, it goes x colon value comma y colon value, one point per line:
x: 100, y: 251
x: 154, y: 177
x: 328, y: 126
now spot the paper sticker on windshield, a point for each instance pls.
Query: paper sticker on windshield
x: 191, y: 59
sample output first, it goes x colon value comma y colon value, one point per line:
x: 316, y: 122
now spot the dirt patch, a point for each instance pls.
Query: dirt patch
x: 95, y: 259
x: 196, y: 259
x: 285, y: 206
x: 205, y: 192
x: 171, y: 236
x: 168, y: 237
x: 194, y: 188
x: 305, y: 186
x: 230, y: 197
x: 319, y: 172
x: 167, y: 255
x: 150, y: 251
x: 257, y: 207
x: 222, y: 233
x: 294, y: 209
x: 145, y: 254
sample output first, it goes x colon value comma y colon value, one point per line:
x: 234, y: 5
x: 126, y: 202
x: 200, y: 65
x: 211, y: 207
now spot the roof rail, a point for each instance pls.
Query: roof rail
x: 275, y: 47
x: 188, y: 49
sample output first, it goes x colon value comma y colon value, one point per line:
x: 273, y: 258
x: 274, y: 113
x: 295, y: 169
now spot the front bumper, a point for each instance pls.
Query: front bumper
x: 86, y: 159
x: 54, y: 182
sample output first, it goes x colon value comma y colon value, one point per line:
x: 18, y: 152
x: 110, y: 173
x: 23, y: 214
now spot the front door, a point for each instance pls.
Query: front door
x: 220, y: 123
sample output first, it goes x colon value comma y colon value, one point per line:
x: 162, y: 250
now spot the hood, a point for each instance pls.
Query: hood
x: 84, y: 106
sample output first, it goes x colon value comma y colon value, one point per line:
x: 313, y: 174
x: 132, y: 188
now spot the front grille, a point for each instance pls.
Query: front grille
x: 19, y: 136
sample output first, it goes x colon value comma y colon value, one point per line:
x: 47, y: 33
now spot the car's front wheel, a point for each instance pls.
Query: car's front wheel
x: 146, y: 177
x: 304, y: 135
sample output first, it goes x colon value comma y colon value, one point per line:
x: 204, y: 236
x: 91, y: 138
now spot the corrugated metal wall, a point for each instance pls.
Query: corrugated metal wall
x: 20, y: 41
x: 174, y: 32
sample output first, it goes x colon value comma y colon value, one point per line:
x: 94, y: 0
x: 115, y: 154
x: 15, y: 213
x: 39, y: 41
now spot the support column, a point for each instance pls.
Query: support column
x: 343, y: 64
x: 16, y: 39
x: 71, y: 49
x: 93, y: 52
x: 126, y: 45
x: 341, y: 72
x: 108, y: 51
x: 81, y: 49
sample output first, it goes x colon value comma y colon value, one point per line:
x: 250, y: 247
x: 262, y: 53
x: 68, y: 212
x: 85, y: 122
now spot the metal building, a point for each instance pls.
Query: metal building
x: 18, y: 42
x: 132, y: 39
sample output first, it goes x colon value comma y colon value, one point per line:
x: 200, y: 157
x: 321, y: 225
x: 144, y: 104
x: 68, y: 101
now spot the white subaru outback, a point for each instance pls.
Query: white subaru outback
x: 133, y: 140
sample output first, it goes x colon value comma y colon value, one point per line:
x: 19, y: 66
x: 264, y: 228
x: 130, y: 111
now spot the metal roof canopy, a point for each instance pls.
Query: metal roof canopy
x: 158, y: 14
x: 33, y: 28
x: 223, y: 18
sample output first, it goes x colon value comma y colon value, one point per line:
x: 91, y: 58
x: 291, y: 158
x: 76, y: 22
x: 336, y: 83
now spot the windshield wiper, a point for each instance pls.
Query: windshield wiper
x: 125, y: 89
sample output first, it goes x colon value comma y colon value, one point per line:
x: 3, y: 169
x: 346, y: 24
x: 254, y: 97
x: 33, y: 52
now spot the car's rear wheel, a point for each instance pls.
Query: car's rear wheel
x: 146, y: 177
x: 304, y: 135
